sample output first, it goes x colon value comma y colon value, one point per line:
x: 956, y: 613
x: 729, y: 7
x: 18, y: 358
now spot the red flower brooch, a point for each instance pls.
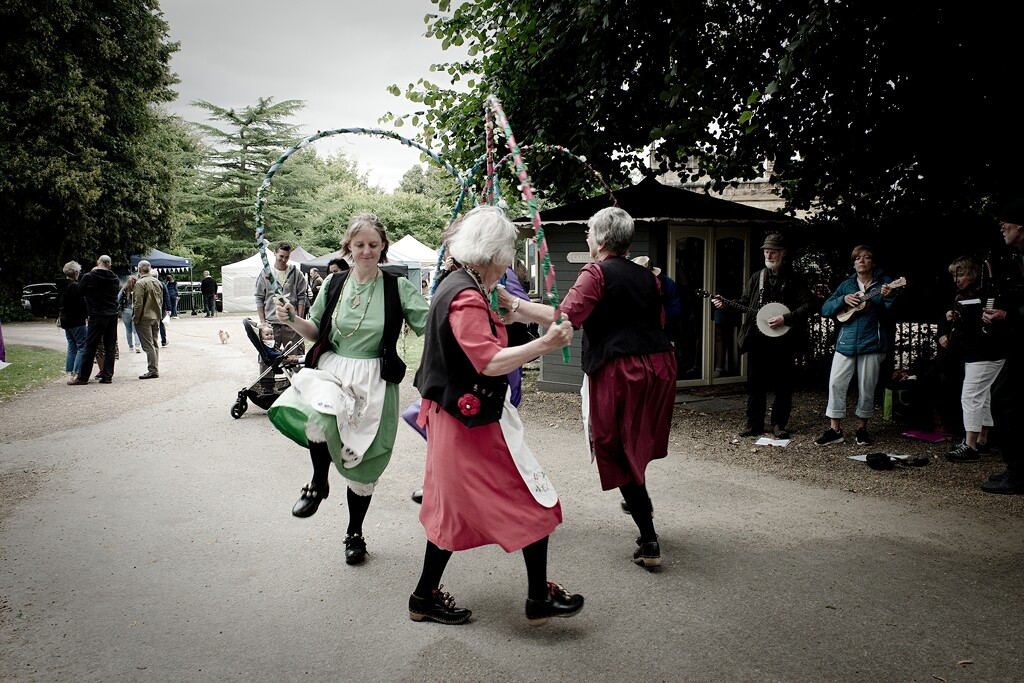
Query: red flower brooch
x: 469, y: 405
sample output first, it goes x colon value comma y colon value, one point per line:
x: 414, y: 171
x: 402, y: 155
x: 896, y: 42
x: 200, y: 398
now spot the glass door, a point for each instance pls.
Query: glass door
x: 707, y: 261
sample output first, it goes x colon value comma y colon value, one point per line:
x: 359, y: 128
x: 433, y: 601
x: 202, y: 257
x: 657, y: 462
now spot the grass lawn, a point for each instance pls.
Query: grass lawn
x: 29, y: 367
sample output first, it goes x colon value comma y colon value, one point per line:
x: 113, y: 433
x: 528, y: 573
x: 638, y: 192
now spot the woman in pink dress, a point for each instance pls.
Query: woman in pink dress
x: 629, y: 369
x: 482, y: 484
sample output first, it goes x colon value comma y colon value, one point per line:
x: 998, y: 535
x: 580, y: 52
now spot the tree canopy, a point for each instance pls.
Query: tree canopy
x: 869, y: 113
x: 90, y: 162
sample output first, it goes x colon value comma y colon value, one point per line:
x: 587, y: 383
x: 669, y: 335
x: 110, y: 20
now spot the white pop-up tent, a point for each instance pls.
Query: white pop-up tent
x: 411, y: 250
x: 238, y: 280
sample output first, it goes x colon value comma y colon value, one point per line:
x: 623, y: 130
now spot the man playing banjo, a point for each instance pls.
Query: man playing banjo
x: 772, y: 338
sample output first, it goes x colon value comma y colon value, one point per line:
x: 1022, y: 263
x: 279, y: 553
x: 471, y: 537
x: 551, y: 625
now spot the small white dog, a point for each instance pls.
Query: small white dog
x: 224, y: 336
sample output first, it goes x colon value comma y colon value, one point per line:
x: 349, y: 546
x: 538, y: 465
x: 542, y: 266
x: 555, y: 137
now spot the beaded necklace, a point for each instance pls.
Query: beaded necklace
x: 356, y: 303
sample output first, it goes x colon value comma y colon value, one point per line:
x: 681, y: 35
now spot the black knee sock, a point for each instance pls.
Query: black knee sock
x: 357, y: 507
x: 640, y: 507
x: 435, y: 559
x: 536, y: 557
x: 321, y: 458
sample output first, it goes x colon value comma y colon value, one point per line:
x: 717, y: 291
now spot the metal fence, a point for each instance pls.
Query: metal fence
x: 914, y: 342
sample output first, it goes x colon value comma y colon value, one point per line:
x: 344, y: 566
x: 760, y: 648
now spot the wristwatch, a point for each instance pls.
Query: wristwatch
x: 515, y: 305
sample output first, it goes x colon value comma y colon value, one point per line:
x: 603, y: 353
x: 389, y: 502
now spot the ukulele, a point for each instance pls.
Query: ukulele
x: 761, y: 315
x: 848, y: 312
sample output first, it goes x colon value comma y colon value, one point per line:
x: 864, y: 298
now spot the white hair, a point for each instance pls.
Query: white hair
x: 484, y: 237
x: 144, y: 267
x: 72, y: 268
x: 613, y: 229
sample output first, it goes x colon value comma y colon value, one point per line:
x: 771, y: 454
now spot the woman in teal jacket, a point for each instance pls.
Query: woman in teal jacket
x: 860, y: 304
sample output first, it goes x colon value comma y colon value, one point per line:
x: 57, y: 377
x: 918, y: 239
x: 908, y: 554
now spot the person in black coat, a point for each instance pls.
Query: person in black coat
x: 99, y: 289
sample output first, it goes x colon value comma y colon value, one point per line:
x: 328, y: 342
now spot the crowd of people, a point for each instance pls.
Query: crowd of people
x: 482, y: 483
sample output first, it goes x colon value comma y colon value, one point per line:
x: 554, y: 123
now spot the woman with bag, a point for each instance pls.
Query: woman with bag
x: 482, y: 485
x: 343, y: 405
x: 127, y: 310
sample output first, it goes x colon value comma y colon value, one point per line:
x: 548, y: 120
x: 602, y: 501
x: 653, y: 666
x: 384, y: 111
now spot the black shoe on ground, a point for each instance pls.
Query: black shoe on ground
x: 355, y: 549
x: 149, y: 375
x: 963, y: 453
x: 998, y: 476
x: 648, y: 553
x: 830, y: 437
x: 106, y: 380
x: 1008, y: 485
x: 417, y: 496
x: 986, y: 449
x: 863, y: 438
x: 309, y: 500
x: 751, y: 430
x: 439, y: 607
x: 780, y: 432
x: 558, y: 603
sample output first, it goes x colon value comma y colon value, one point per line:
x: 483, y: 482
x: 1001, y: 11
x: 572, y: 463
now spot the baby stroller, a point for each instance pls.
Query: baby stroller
x: 277, y: 362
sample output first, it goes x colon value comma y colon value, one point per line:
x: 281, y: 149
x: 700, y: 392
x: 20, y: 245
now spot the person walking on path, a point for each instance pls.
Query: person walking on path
x: 294, y: 289
x: 482, y: 484
x: 148, y: 300
x: 99, y: 289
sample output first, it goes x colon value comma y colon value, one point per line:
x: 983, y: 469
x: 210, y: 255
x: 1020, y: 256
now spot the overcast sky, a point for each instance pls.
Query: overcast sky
x: 337, y: 56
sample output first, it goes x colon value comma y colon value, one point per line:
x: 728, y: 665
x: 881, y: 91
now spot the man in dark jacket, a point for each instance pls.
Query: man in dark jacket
x: 99, y: 289
x: 772, y: 339
x: 208, y: 288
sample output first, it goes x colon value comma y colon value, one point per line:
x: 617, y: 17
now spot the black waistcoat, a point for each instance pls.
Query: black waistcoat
x: 446, y: 374
x: 627, y: 319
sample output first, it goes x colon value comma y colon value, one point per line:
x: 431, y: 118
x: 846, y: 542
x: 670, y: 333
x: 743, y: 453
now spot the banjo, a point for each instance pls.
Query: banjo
x: 761, y: 315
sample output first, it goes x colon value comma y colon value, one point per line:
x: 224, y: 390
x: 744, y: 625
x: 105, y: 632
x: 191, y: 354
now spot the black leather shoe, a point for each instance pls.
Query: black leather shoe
x: 1008, y: 485
x: 309, y: 501
x: 106, y: 380
x: 149, y: 375
x: 439, y: 607
x: 780, y: 432
x: 417, y: 496
x: 648, y: 553
x: 355, y: 549
x: 751, y: 430
x: 558, y: 603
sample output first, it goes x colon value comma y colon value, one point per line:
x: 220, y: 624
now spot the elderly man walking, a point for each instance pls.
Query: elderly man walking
x: 148, y: 299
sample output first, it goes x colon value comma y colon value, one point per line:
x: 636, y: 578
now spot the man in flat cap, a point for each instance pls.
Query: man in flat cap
x: 1007, y: 392
x: 773, y: 337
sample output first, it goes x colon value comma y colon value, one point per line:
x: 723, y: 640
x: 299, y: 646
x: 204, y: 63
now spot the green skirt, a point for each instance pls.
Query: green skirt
x: 290, y: 415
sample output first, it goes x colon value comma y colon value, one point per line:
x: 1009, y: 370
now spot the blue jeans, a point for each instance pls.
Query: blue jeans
x: 76, y: 348
x: 174, y: 305
x: 129, y: 328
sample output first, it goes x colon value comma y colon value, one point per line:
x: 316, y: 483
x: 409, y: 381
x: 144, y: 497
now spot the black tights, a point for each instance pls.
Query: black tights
x: 640, y: 509
x: 535, y: 555
x: 357, y: 505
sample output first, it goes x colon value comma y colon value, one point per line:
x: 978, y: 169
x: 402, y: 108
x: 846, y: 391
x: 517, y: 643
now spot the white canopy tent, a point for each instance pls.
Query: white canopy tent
x: 238, y: 280
x: 411, y: 250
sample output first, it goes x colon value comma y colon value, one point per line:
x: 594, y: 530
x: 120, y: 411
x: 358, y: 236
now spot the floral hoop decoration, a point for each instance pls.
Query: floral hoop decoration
x: 261, y: 198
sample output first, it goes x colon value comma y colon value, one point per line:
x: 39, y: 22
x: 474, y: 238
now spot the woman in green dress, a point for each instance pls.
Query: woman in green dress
x: 343, y: 406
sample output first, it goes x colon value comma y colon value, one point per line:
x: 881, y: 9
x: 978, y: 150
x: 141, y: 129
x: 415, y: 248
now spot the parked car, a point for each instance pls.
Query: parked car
x: 40, y: 299
x: 190, y: 297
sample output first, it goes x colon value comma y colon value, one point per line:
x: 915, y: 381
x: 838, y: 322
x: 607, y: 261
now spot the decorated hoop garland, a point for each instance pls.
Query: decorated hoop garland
x: 494, y: 115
